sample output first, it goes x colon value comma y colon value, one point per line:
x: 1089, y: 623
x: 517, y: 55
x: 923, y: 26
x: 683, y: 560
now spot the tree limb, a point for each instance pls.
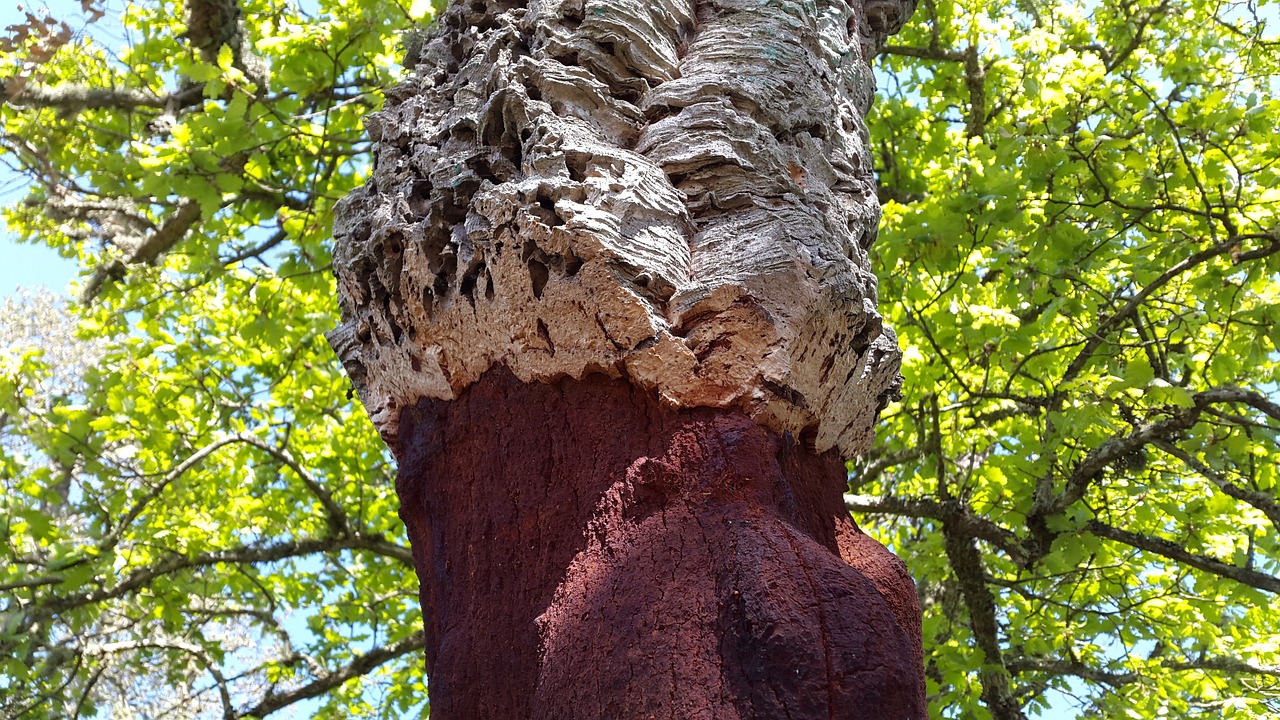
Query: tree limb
x: 997, y: 694
x: 170, y: 233
x: 1055, y: 666
x: 1257, y: 499
x: 954, y: 513
x: 361, y: 665
x: 275, y: 552
x: 74, y: 98
x: 1174, y: 551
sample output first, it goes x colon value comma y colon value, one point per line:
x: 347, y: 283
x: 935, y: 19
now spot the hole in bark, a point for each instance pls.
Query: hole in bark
x: 868, y: 237
x: 546, y: 211
x: 791, y: 395
x: 496, y: 128
x: 609, y: 48
x: 395, y: 244
x: 468, y: 285
x: 487, y: 171
x: 573, y: 13
x: 448, y: 265
x: 569, y: 58
x: 721, y: 343
x: 454, y: 208
x: 416, y: 363
x: 436, y: 240
x: 628, y: 94
x: 577, y: 165
x: 517, y: 159
x: 538, y: 275
x: 546, y: 336
x: 529, y: 250
x: 463, y: 134
x: 869, y: 332
x: 413, y: 333
x: 488, y: 286
x: 420, y: 198
x: 655, y: 113
x: 809, y: 439
x: 534, y: 94
x: 572, y: 264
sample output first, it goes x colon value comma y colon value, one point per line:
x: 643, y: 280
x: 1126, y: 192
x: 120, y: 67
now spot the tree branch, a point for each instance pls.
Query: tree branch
x: 953, y: 513
x: 965, y: 560
x: 1122, y: 315
x: 337, y: 518
x: 1174, y: 551
x: 73, y: 98
x: 1091, y: 467
x: 1055, y: 666
x: 930, y: 53
x: 275, y: 552
x: 361, y: 665
x: 1232, y: 394
x: 170, y: 233
x: 1259, y: 500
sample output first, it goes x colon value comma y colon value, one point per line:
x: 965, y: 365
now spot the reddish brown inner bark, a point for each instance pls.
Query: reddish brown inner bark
x: 586, y: 552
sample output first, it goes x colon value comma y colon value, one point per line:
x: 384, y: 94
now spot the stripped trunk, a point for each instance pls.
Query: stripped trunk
x: 606, y: 296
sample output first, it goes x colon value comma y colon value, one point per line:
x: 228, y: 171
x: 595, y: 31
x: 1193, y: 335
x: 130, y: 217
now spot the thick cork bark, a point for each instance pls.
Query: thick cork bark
x: 606, y: 296
x: 588, y: 552
x: 678, y: 193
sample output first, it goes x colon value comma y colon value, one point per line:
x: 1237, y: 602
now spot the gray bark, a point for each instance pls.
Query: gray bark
x: 678, y: 194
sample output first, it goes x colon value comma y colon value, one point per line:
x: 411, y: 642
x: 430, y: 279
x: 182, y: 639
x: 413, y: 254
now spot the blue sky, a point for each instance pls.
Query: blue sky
x: 29, y: 265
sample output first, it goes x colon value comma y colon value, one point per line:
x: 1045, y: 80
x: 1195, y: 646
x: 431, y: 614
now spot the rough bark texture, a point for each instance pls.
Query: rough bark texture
x: 719, y: 575
x: 607, y: 297
x: 676, y: 193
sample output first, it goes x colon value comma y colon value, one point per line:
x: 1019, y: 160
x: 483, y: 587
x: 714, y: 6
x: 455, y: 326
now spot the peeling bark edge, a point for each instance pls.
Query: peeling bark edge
x: 675, y: 193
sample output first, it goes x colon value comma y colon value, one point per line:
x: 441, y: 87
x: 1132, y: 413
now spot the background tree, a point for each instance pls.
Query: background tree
x: 203, y: 525
x: 1080, y: 230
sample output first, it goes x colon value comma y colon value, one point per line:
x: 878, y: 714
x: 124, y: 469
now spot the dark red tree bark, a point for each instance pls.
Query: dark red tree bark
x: 586, y: 552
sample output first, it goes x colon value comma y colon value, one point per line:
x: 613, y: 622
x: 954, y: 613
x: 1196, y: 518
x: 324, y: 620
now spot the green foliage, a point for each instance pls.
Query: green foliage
x: 202, y: 520
x: 1081, y: 254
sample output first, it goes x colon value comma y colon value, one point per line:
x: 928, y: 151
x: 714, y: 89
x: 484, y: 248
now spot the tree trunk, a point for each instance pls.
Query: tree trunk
x: 606, y: 297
